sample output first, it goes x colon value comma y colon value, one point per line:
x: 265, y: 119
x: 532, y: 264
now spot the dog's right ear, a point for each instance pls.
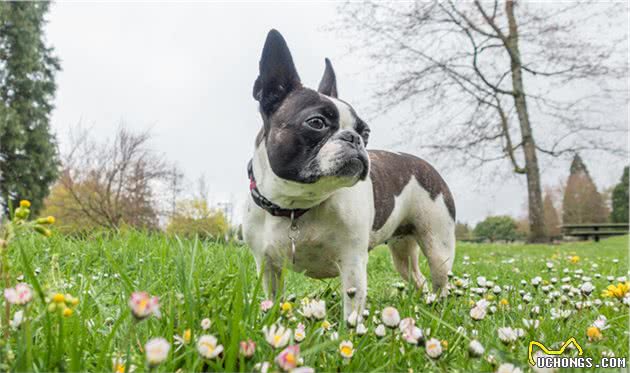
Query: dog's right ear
x: 277, y: 76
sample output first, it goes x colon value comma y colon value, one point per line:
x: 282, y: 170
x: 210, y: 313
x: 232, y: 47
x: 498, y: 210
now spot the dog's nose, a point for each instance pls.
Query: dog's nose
x: 350, y: 137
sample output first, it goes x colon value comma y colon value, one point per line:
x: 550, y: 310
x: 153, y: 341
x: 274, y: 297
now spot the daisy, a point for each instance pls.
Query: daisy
x: 351, y: 292
x: 390, y: 317
x: 353, y: 319
x: 300, y: 333
x: 207, y: 347
x: 481, y: 281
x: 156, y: 351
x: 508, y: 368
x: 266, y: 305
x: 314, y: 308
x: 20, y: 294
x: 431, y: 298
x: 183, y: 339
x: 507, y: 335
x: 361, y: 329
x: 531, y: 323
x: 433, y: 348
x: 405, y: 323
x: 247, y: 348
x: 536, y: 281
x: 289, y: 357
x: 380, y: 331
x: 18, y: 317
x: 143, y: 305
x: 326, y: 325
x: 478, y: 313
x: 277, y: 335
x: 346, y: 349
x: 412, y: 334
x: 205, y: 324
x: 475, y: 348
x: 601, y: 322
x: 262, y: 367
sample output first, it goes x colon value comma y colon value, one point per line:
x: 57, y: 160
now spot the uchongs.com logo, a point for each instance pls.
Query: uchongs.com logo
x: 553, y: 359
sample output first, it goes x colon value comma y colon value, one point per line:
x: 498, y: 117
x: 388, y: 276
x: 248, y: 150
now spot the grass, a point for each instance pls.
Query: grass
x: 196, y: 280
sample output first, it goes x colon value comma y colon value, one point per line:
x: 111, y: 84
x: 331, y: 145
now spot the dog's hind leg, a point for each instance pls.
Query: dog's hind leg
x: 405, y: 252
x: 438, y: 245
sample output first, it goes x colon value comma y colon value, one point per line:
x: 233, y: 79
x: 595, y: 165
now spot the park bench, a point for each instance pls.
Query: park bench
x: 594, y: 230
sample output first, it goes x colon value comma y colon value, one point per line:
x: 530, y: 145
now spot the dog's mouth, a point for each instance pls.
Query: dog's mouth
x: 355, y: 166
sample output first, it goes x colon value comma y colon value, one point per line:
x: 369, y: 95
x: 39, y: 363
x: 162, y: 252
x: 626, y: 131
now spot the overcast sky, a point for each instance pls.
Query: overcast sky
x: 186, y: 70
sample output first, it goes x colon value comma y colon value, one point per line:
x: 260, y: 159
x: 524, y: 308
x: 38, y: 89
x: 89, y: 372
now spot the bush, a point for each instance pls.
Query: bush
x: 195, y: 218
x: 462, y: 232
x: 497, y: 228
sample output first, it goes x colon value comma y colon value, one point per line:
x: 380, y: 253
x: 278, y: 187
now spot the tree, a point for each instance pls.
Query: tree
x: 462, y: 231
x: 114, y: 183
x: 496, y: 228
x: 195, y: 218
x: 620, y: 199
x: 552, y: 220
x: 582, y: 203
x: 462, y: 68
x: 28, y: 156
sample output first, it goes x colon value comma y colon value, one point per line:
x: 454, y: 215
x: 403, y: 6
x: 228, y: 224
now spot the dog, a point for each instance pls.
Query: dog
x: 319, y: 201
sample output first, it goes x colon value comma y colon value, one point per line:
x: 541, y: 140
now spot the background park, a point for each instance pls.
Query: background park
x: 125, y: 130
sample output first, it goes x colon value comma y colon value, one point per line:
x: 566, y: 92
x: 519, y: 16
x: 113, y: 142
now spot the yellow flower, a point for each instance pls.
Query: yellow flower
x: 617, y: 291
x: 286, y: 307
x: 58, y: 298
x: 593, y: 333
x: 504, y: 302
x: 490, y: 297
x: 46, y: 220
x: 326, y: 325
x: 67, y: 312
x: 574, y: 259
x: 24, y: 203
x: 444, y: 344
x: 346, y: 349
x: 187, y: 335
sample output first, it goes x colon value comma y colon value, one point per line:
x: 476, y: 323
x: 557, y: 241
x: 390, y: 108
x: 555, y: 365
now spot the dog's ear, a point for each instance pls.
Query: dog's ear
x: 277, y: 76
x: 328, y: 85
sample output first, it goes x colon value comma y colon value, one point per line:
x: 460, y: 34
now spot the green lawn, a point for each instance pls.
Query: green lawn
x: 206, y: 280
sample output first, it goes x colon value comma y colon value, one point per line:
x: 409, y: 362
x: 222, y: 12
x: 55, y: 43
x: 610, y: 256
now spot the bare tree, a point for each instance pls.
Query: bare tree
x: 114, y: 183
x: 462, y: 66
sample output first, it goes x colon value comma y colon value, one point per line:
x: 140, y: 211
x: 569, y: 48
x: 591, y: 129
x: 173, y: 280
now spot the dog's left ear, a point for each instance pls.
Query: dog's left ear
x: 277, y: 76
x: 328, y: 85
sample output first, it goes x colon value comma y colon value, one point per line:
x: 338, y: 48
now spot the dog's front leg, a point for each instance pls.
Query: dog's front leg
x: 271, y: 276
x: 354, y: 282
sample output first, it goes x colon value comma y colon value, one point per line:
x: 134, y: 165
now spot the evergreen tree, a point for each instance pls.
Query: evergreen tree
x: 552, y: 221
x: 28, y: 155
x: 582, y: 203
x: 620, y: 199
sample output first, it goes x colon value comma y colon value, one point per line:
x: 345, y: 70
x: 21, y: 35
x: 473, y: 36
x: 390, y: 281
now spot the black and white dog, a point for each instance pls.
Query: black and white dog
x: 319, y: 201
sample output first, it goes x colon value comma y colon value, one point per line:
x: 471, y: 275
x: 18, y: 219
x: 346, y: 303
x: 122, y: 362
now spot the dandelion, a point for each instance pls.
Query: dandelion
x: 247, y: 348
x: 593, y: 333
x: 277, y: 335
x: 300, y: 333
x: 509, y: 368
x: 24, y: 203
x: 207, y: 347
x: 205, y: 323
x: 504, y: 302
x: 507, y: 335
x: 286, y: 307
x: 20, y: 294
x: 433, y: 348
x: 574, y: 259
x: 380, y: 331
x: 618, y: 291
x: 156, y: 351
x: 346, y: 349
x: 475, y: 348
x: 266, y: 305
x: 390, y: 317
x: 143, y: 305
x: 67, y: 312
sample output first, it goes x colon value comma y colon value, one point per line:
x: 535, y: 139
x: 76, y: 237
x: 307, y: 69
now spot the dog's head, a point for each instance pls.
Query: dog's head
x: 310, y: 135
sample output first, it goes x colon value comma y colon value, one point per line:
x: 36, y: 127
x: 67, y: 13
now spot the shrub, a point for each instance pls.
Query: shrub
x: 195, y: 218
x: 497, y: 228
x: 620, y: 200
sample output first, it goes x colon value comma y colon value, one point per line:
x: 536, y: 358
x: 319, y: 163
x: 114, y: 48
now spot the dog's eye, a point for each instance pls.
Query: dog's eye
x: 317, y: 123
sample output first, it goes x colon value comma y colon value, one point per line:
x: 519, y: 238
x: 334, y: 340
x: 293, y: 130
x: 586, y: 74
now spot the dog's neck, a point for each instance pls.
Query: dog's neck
x: 285, y: 193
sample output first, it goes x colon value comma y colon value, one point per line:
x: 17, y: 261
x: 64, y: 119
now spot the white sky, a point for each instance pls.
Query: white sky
x: 186, y: 71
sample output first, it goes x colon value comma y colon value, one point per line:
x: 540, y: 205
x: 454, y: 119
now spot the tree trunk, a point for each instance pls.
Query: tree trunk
x: 536, y: 215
